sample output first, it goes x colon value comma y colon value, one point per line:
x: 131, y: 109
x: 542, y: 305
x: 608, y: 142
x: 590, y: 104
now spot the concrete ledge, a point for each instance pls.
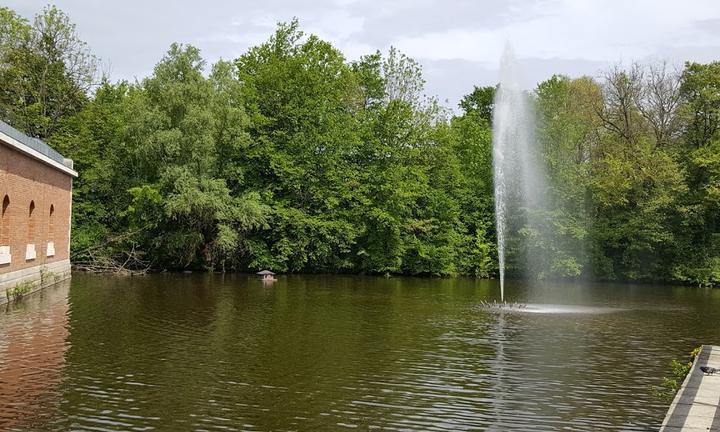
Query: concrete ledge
x: 38, y: 276
x: 696, y: 405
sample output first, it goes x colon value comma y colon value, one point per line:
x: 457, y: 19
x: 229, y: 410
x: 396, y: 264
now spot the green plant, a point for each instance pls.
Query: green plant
x: 19, y: 291
x: 680, y: 369
x: 46, y: 275
x: 43, y: 275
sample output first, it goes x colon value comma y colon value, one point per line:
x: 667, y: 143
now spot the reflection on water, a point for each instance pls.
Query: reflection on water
x: 210, y: 352
x: 565, y: 309
x: 32, y: 357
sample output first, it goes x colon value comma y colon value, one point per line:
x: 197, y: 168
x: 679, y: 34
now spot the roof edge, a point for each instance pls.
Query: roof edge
x: 23, y: 148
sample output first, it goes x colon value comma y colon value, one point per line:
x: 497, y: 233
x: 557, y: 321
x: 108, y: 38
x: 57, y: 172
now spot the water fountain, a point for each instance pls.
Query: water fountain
x: 518, y: 174
x: 520, y: 180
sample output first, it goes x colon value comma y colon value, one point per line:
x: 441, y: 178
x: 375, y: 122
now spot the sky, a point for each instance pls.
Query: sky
x: 458, y: 42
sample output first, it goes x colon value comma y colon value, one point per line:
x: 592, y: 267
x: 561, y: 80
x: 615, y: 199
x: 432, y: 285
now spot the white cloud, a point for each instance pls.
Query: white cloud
x: 588, y: 29
x: 460, y: 41
x: 338, y: 24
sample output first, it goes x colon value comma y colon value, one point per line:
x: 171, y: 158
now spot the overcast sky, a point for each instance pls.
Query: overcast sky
x: 458, y: 42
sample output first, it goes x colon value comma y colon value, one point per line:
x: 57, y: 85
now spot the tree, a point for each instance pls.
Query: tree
x: 302, y: 98
x: 47, y: 71
x: 698, y: 259
x: 180, y: 122
x: 95, y: 139
x: 568, y: 130
x: 294, y: 159
x: 619, y: 111
x: 701, y: 89
x: 659, y: 101
x: 403, y: 79
x: 636, y: 185
x: 14, y: 31
x: 481, y: 100
x: 467, y: 157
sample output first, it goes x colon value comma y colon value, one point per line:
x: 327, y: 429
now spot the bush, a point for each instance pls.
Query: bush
x: 680, y: 369
x: 18, y: 292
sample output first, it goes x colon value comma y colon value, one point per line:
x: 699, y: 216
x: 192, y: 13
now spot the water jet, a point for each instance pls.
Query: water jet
x: 518, y: 173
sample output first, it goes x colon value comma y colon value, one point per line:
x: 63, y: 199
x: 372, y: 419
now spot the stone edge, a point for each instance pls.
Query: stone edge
x: 39, y: 276
x: 678, y: 396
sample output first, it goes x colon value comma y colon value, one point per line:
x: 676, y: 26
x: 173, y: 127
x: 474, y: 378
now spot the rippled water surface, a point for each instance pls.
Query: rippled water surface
x: 210, y: 352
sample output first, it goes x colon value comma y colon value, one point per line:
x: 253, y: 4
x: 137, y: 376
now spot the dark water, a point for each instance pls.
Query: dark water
x: 209, y: 352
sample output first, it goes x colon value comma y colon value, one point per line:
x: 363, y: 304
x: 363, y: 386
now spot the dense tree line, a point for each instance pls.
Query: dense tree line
x: 293, y: 158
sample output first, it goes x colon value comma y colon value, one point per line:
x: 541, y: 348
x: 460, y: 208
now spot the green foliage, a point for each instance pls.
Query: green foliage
x: 185, y: 211
x: 46, y: 71
x: 294, y: 159
x: 568, y: 131
x: 679, y: 369
x: 637, y: 202
x: 47, y: 276
x: 701, y: 90
x: 698, y: 259
x: 14, y: 30
x: 19, y: 291
x: 702, y: 271
x: 481, y: 101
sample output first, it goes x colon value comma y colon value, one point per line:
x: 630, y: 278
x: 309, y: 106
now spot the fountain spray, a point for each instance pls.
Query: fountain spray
x: 517, y: 171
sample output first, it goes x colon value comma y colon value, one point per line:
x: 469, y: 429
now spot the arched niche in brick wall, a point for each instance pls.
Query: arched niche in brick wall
x: 50, y: 248
x: 5, y: 256
x: 4, y: 222
x: 51, y: 222
x: 31, y: 222
x: 30, y: 251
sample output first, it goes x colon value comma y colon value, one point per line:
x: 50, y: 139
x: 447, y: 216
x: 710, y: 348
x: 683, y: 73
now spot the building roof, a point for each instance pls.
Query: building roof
x: 265, y: 272
x: 35, y: 148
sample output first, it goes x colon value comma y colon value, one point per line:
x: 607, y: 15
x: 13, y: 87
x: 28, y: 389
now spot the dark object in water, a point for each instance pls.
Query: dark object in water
x: 707, y: 370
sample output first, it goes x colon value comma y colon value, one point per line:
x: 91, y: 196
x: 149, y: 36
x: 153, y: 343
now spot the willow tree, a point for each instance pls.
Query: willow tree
x: 182, y: 207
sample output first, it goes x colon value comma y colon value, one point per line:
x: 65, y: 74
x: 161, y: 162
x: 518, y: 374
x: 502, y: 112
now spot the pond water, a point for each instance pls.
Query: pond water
x: 223, y: 352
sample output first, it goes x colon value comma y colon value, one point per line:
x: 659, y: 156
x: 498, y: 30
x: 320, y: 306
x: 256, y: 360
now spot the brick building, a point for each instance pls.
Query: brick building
x: 36, y: 196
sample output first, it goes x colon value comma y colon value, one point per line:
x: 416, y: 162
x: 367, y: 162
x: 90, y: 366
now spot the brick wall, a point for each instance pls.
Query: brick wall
x: 27, y: 182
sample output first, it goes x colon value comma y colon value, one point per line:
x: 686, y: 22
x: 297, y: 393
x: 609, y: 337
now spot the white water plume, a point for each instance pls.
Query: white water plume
x: 519, y: 177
